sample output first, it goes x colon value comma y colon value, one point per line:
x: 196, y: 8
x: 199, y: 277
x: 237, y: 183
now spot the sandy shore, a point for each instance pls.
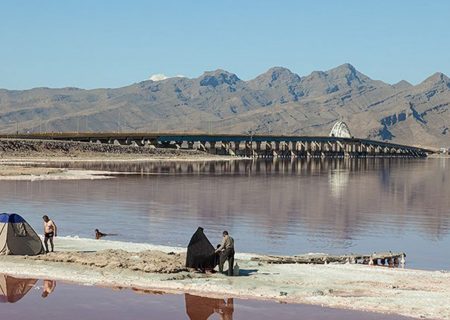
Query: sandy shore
x: 414, y: 293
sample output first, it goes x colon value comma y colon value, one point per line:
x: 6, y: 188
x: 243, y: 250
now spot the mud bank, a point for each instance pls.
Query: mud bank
x: 414, y: 293
x: 149, y: 261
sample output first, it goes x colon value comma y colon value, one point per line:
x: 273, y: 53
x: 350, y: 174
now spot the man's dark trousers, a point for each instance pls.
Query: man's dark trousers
x: 227, y: 255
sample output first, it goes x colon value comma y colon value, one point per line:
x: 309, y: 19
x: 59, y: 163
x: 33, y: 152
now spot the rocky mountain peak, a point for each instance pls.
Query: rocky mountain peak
x: 281, y: 73
x: 343, y: 69
x: 436, y: 79
x: 274, y: 77
x: 218, y: 77
x: 402, y: 84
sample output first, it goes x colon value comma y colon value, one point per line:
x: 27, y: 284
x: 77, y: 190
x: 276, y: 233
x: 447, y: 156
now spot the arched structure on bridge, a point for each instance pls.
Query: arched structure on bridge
x: 340, y: 130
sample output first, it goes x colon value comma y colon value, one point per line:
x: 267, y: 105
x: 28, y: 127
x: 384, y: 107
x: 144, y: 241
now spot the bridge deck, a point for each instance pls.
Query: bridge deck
x: 168, y: 138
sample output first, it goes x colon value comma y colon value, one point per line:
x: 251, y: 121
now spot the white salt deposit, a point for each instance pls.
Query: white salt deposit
x: 415, y: 293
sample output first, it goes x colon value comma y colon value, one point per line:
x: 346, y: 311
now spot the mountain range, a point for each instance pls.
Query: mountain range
x: 277, y: 101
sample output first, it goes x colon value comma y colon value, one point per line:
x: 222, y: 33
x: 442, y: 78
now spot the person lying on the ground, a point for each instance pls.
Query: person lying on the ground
x: 99, y: 234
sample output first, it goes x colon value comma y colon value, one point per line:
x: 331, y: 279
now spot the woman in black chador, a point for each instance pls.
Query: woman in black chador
x: 200, y: 252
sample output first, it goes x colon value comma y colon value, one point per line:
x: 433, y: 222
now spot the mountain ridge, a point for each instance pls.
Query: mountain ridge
x: 276, y: 101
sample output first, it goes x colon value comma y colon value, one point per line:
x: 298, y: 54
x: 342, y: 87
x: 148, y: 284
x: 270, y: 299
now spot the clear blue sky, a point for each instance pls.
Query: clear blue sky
x: 96, y: 43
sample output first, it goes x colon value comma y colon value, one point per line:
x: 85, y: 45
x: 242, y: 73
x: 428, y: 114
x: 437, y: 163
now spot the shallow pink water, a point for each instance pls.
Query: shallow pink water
x: 275, y: 207
x: 73, y: 302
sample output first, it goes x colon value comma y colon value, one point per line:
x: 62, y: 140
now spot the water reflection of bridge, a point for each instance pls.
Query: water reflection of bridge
x: 247, y: 145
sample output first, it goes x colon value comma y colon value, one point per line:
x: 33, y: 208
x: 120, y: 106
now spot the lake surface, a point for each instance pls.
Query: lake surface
x: 31, y: 299
x: 277, y: 207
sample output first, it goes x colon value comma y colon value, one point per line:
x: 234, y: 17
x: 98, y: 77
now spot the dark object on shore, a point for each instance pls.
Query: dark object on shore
x: 200, y: 252
x: 380, y: 259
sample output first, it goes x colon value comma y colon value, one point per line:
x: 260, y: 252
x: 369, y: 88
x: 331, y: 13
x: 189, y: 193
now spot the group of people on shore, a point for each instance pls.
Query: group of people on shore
x: 203, y: 257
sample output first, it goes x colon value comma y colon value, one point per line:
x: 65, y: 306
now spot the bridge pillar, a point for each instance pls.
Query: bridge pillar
x: 293, y: 149
x: 236, y: 146
x: 212, y: 147
x: 308, y: 148
x: 300, y: 149
x: 347, y: 149
x: 277, y: 146
x: 322, y: 149
x: 202, y: 146
x: 228, y: 148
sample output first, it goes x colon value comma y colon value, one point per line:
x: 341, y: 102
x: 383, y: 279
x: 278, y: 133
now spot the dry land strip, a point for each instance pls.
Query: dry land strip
x: 32, y: 159
x: 414, y: 293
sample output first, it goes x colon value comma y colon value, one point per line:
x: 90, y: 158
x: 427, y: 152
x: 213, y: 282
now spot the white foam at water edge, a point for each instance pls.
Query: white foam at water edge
x: 76, y: 243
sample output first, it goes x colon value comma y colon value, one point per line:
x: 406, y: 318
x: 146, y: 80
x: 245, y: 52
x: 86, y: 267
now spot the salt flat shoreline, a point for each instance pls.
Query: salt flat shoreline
x: 413, y: 293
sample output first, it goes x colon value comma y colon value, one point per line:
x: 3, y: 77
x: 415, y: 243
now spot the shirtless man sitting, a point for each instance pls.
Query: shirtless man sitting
x: 49, y: 232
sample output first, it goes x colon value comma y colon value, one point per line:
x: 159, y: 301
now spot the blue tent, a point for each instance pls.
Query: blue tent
x: 17, y: 237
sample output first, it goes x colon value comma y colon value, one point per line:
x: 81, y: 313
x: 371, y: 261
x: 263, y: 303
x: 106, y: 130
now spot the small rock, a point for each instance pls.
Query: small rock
x: 318, y: 293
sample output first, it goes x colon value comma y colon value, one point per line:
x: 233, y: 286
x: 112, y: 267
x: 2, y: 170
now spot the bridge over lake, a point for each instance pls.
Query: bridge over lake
x: 250, y: 145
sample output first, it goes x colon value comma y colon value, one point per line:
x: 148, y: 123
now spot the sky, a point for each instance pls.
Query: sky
x: 98, y: 43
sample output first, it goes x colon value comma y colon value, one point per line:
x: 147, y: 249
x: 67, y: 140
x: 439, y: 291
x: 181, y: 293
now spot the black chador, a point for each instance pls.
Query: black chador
x: 200, y: 252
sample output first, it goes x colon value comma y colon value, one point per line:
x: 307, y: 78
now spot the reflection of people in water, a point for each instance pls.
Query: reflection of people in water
x: 201, y: 308
x: 226, y: 309
x: 49, y: 287
x: 13, y: 289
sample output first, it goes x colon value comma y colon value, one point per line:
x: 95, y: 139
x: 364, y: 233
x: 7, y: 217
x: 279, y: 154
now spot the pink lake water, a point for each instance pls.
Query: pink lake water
x: 65, y: 301
x: 276, y: 207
